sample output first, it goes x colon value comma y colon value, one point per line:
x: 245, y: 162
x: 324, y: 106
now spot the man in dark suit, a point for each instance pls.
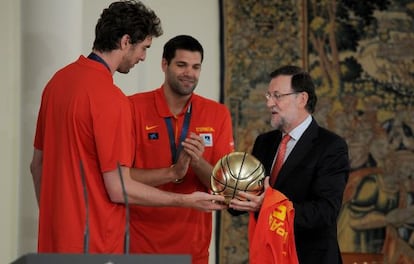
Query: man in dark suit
x: 315, y: 166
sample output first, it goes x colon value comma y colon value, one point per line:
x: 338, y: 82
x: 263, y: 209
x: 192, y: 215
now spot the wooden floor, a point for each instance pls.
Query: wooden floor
x: 362, y: 258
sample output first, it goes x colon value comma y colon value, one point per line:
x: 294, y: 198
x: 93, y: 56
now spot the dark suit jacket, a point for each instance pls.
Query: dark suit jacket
x: 313, y: 177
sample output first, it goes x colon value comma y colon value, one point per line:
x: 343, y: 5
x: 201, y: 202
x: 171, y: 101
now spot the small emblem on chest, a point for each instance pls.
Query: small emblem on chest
x: 208, y: 139
x: 153, y: 136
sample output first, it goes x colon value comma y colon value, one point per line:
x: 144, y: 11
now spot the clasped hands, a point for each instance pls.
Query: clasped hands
x: 191, y: 153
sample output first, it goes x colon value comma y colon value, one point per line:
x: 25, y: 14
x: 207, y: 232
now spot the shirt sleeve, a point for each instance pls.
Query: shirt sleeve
x: 224, y: 139
x: 112, y: 124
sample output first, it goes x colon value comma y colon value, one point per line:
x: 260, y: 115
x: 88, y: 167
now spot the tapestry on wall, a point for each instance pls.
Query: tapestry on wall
x: 361, y: 56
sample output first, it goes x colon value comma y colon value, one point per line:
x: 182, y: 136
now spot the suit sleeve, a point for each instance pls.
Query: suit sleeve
x: 326, y: 190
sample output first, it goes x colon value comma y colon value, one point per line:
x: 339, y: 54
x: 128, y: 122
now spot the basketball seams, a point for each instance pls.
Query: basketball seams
x: 227, y: 181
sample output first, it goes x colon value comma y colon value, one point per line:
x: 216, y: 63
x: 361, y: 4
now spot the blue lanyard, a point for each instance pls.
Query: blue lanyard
x: 175, y: 149
x: 96, y: 58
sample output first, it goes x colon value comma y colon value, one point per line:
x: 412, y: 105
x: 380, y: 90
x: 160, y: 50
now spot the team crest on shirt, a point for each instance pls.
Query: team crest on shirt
x: 207, y: 138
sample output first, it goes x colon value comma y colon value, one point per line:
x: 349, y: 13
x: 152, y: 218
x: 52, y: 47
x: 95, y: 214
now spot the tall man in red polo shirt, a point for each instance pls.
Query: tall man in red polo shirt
x: 85, y: 118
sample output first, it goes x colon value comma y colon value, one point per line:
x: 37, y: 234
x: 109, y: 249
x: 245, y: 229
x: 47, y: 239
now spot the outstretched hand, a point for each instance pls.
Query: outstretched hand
x: 250, y: 202
x: 205, y: 202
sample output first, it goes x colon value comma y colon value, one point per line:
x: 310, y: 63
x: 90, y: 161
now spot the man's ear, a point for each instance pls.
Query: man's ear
x: 304, y: 98
x: 164, y: 64
x: 125, y: 42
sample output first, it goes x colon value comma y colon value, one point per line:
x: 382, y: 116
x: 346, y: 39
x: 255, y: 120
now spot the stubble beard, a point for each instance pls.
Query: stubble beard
x: 277, y: 124
x: 177, y: 88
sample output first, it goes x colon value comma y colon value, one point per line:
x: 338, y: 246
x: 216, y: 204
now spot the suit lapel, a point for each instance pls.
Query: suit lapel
x: 266, y: 150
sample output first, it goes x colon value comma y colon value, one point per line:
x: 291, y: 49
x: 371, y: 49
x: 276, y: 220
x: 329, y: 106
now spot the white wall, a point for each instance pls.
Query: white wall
x: 39, y: 37
x: 10, y: 126
x: 199, y: 18
x: 51, y: 37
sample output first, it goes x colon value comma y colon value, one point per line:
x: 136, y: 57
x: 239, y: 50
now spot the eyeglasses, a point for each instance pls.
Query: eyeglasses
x: 276, y: 96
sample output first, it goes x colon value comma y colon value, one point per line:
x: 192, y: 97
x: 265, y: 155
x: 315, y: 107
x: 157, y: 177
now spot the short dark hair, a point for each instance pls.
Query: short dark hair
x: 125, y: 17
x: 301, y: 82
x: 183, y: 42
